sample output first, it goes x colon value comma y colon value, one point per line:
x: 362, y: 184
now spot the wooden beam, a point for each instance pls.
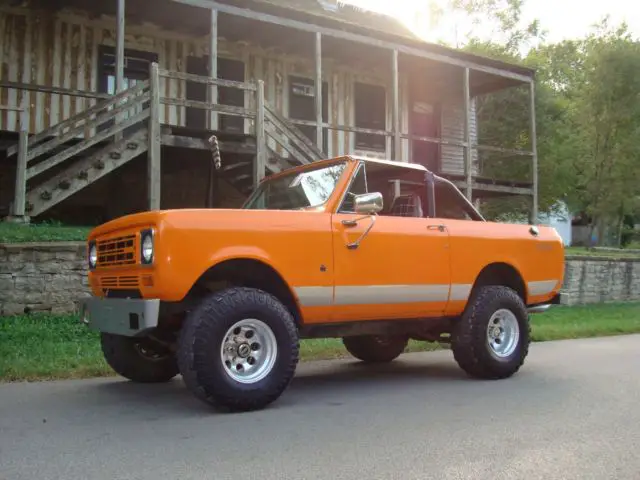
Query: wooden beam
x: 119, y: 54
x: 190, y: 77
x: 33, y: 87
x: 213, y: 69
x: 120, y: 46
x: 354, y: 37
x: 487, y: 187
x: 534, y: 159
x: 395, y: 98
x: 318, y: 88
x: 154, y: 163
x: 20, y: 194
x: 226, y: 109
x: 181, y: 141
x: 261, y: 139
x: 468, y: 165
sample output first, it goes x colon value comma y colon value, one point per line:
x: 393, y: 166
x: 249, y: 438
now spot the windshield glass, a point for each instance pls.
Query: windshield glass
x: 297, y: 190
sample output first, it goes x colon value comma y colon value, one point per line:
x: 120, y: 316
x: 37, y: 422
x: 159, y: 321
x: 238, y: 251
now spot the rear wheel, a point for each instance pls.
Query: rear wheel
x: 375, y: 348
x: 138, y: 359
x: 491, y: 340
x: 239, y: 349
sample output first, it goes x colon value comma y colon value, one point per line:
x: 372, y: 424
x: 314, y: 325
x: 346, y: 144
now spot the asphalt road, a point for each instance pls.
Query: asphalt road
x: 573, y: 412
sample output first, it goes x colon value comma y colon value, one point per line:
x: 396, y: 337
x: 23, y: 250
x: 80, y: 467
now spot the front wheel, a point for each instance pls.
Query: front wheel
x: 138, y: 359
x: 491, y: 340
x: 239, y: 349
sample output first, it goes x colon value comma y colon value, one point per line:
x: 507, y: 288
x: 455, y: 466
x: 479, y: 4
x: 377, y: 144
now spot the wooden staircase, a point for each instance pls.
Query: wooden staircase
x: 240, y: 171
x: 62, y: 160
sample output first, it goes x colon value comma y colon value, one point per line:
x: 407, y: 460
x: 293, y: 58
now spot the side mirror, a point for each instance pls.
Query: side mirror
x: 368, y: 203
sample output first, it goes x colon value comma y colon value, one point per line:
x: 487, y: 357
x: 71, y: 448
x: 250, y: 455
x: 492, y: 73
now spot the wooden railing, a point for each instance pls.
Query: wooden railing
x: 268, y: 123
x: 51, y: 147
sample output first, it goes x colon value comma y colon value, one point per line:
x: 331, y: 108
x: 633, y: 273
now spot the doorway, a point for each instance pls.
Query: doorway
x: 424, y: 121
x: 228, y: 69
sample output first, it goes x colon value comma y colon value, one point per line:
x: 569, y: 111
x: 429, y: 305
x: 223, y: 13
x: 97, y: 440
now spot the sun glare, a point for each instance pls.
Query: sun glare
x: 414, y: 14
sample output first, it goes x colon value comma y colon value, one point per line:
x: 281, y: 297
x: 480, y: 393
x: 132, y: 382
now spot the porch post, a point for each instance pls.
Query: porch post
x: 154, y: 163
x: 119, y: 56
x: 20, y: 194
x: 318, y: 88
x: 120, y: 47
x: 261, y: 139
x: 467, y: 136
x: 213, y: 69
x: 534, y: 155
x: 397, y: 145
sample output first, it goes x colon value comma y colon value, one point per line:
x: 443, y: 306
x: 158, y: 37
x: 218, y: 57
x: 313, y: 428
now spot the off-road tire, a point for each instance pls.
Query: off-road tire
x: 201, y: 339
x: 126, y: 359
x: 375, y: 348
x: 469, y: 341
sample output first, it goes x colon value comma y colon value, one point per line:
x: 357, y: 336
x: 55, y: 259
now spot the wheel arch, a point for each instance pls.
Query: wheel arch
x: 504, y: 274
x: 248, y: 272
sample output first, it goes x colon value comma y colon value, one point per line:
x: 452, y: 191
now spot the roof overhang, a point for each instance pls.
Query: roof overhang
x: 331, y: 27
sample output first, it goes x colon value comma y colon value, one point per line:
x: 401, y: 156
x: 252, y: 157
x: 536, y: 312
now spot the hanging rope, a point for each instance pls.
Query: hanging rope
x: 215, y: 151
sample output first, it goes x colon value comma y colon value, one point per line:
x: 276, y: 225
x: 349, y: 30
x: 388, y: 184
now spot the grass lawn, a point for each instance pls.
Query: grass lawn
x: 586, y: 252
x: 52, y: 347
x: 43, y: 232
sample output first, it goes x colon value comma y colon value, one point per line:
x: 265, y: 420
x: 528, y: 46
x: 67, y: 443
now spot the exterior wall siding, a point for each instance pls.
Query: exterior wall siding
x: 62, y: 49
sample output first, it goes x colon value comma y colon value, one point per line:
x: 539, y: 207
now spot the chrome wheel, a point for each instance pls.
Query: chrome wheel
x: 249, y: 351
x: 503, y: 333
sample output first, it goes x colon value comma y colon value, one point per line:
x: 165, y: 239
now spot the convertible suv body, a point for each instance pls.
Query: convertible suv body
x: 373, y: 252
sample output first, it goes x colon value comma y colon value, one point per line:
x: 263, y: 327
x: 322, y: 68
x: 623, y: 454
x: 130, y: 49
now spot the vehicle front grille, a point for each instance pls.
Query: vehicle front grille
x: 119, y: 251
x: 129, y: 281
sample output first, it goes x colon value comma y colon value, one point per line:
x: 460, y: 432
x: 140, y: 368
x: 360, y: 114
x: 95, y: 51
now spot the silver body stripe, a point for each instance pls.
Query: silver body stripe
x: 542, y: 287
x: 460, y: 292
x: 315, y: 296
x: 389, y: 294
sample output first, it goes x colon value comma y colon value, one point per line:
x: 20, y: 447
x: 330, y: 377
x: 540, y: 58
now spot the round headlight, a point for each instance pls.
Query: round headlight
x: 147, y: 249
x: 93, y: 256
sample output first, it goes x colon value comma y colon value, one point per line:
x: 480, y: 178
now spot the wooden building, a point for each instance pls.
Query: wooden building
x: 119, y: 97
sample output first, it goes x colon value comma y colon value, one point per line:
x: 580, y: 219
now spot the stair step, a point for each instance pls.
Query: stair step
x: 84, y: 172
x: 239, y: 178
x: 235, y: 166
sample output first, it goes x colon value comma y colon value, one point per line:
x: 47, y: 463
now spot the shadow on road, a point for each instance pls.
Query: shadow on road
x: 314, y: 383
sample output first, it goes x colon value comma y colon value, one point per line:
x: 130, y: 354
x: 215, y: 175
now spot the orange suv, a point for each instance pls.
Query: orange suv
x: 373, y: 252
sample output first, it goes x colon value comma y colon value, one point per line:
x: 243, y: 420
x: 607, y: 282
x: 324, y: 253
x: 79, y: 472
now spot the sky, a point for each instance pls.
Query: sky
x: 561, y: 19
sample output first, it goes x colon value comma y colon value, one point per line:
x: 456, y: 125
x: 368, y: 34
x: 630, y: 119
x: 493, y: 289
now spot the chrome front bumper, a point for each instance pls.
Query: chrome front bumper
x: 120, y: 316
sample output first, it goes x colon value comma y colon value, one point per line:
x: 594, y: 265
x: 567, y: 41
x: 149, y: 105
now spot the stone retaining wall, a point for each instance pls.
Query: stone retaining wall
x: 47, y: 277
x: 601, y: 279
x: 52, y: 277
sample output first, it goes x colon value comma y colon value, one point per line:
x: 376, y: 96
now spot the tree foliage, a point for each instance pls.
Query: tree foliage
x: 587, y: 109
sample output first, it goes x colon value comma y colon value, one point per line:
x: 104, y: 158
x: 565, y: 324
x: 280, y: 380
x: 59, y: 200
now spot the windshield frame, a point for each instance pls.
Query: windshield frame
x: 297, y: 171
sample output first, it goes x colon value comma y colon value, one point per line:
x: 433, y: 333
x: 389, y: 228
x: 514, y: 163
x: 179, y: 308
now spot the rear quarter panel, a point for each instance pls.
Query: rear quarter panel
x: 475, y: 245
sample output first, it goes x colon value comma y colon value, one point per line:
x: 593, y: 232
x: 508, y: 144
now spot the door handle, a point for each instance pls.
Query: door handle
x: 440, y: 228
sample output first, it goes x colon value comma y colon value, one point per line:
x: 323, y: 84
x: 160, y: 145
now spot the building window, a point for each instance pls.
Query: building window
x: 136, y: 69
x: 302, y: 106
x: 370, y: 112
